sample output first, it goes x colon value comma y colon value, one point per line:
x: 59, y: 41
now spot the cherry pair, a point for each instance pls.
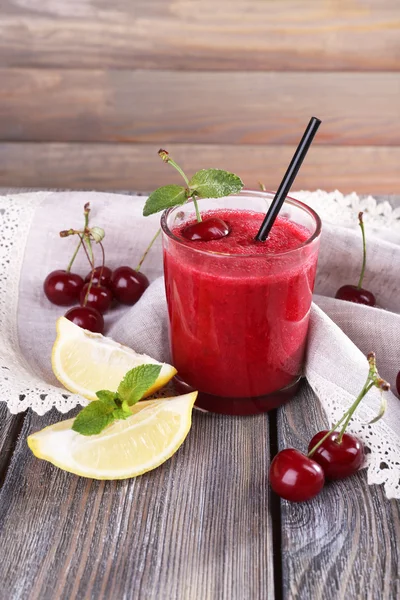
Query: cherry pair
x: 298, y: 477
x: 331, y: 454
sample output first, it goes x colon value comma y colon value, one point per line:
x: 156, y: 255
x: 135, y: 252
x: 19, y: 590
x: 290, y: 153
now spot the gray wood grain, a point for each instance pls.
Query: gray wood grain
x: 10, y: 426
x: 160, y: 107
x: 243, y: 35
x: 344, y: 543
x: 197, y: 528
x: 367, y: 170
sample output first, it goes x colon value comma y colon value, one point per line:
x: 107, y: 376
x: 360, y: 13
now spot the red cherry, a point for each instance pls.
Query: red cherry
x: 398, y: 383
x: 352, y: 293
x: 62, y: 287
x: 338, y: 460
x: 87, y: 318
x: 105, y: 278
x: 295, y: 477
x: 128, y: 285
x: 209, y: 229
x: 99, y: 297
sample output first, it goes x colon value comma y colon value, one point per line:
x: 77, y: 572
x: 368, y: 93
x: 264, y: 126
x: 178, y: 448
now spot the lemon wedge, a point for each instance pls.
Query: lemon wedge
x: 85, y: 362
x: 124, y: 449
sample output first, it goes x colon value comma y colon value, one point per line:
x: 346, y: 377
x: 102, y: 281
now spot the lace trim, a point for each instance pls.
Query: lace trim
x: 384, y: 463
x: 19, y: 384
x: 342, y: 210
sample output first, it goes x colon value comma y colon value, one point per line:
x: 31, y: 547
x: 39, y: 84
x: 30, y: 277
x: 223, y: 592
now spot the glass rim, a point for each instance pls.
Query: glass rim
x: 257, y: 193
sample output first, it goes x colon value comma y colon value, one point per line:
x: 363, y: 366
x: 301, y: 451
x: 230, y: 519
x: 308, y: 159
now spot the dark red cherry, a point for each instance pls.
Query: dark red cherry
x: 338, y: 460
x: 62, y: 287
x: 398, y: 383
x: 101, y: 275
x: 352, y: 293
x: 128, y: 285
x: 99, y: 297
x: 87, y: 318
x: 209, y: 229
x: 295, y: 477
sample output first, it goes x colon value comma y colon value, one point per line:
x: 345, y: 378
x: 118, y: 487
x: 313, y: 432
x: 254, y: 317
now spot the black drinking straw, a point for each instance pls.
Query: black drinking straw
x: 288, y: 179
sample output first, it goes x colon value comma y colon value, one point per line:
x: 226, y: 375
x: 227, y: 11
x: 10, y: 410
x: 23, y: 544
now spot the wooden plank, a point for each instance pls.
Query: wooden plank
x: 344, y: 543
x: 371, y: 170
x: 245, y: 108
x: 10, y: 426
x: 191, y: 34
x: 197, y: 527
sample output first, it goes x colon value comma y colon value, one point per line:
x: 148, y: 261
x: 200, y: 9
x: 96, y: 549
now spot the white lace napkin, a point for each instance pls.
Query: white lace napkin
x: 336, y: 367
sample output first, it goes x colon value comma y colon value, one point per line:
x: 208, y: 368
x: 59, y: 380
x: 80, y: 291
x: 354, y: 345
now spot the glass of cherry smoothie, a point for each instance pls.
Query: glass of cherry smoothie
x: 238, y: 308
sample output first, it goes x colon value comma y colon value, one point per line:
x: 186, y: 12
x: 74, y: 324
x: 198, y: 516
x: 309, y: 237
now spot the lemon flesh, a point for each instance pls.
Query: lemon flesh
x: 85, y: 362
x: 125, y: 448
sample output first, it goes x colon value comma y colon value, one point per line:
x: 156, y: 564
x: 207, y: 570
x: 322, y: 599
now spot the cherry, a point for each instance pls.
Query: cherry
x: 356, y: 293
x: 398, y: 383
x: 128, y: 285
x: 99, y: 297
x: 295, y: 477
x: 62, y: 287
x: 209, y: 229
x: 104, y: 279
x: 338, y: 459
x: 352, y: 293
x: 87, y: 318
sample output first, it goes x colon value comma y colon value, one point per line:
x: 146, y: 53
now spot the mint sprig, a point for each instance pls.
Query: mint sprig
x: 206, y: 183
x: 111, y: 406
x: 165, y: 197
x: 215, y: 183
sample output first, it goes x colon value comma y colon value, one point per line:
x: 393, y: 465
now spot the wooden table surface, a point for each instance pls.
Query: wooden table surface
x: 203, y: 526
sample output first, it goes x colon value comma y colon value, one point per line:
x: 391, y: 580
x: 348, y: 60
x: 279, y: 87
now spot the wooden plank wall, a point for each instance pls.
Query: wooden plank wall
x: 90, y: 89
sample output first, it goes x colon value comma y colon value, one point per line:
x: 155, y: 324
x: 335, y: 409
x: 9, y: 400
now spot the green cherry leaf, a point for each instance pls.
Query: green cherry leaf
x: 136, y: 382
x: 97, y: 233
x: 93, y: 419
x: 381, y: 412
x: 215, y: 183
x: 165, y: 197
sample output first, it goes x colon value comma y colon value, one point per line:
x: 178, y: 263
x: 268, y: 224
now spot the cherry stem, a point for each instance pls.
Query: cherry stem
x: 147, y: 250
x: 166, y: 158
x: 321, y: 441
x: 86, y: 212
x: 373, y: 380
x: 103, y: 255
x: 71, y: 262
x: 91, y: 262
x: 196, y: 208
x: 367, y: 386
x: 361, y: 223
x: 90, y: 249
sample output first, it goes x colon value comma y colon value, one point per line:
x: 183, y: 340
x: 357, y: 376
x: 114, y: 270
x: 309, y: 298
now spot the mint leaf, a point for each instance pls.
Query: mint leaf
x: 119, y: 413
x: 165, y: 197
x: 125, y: 408
x: 93, y: 418
x: 123, y: 411
x: 108, y: 398
x: 215, y: 183
x: 136, y: 382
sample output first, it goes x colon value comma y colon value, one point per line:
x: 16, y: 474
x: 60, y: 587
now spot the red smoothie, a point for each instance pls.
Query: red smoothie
x: 239, y: 310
